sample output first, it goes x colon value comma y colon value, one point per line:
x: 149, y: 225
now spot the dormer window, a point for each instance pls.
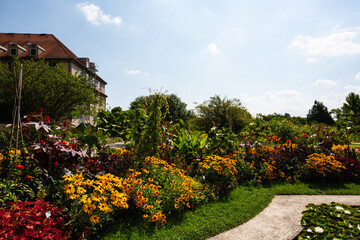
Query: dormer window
x: 13, y: 52
x: 35, y: 50
x: 16, y: 49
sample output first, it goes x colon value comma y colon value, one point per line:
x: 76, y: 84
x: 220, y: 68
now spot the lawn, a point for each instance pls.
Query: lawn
x: 238, y: 207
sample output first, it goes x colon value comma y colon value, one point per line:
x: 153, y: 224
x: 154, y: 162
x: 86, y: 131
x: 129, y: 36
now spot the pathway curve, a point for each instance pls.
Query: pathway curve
x: 281, y: 219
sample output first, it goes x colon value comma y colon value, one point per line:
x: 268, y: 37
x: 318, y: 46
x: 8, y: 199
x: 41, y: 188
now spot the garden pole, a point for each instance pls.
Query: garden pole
x: 18, y: 125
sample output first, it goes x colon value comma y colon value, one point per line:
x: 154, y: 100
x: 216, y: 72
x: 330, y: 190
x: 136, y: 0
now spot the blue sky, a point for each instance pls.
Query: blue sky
x: 275, y: 56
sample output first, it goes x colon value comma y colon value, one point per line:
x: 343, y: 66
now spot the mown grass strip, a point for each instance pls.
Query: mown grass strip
x: 207, y: 220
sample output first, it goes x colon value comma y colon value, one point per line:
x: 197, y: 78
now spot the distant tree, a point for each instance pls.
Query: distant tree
x: 350, y: 111
x: 176, y: 108
x: 54, y: 89
x: 319, y: 113
x: 287, y: 116
x: 222, y: 112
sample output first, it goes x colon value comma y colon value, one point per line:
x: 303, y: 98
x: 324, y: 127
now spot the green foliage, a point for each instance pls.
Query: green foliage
x: 295, y: 120
x: 174, y: 111
x: 189, y: 146
x: 115, y: 121
x: 320, y: 114
x: 222, y: 113
x: 334, y: 221
x: 54, y: 89
x: 149, y: 127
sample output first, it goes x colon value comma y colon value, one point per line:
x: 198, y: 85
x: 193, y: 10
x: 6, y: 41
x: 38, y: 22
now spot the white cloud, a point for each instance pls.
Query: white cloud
x: 136, y: 72
x: 325, y: 83
x: 353, y: 88
x: 357, y: 76
x: 333, y: 100
x: 285, y: 101
x: 340, y: 42
x: 312, y: 59
x: 96, y: 16
x: 213, y: 48
x: 132, y: 72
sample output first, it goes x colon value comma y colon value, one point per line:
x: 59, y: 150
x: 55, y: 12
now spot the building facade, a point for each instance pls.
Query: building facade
x: 48, y: 47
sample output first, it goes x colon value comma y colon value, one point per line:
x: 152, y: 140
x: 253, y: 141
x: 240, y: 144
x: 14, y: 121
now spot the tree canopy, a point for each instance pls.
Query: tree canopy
x: 54, y: 89
x: 350, y: 111
x: 320, y: 114
x: 176, y: 108
x: 222, y: 113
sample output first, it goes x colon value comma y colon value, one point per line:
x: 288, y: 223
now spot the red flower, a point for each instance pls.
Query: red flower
x: 304, y: 135
x: 29, y: 177
x: 47, y: 119
x: 19, y: 167
x: 41, y: 110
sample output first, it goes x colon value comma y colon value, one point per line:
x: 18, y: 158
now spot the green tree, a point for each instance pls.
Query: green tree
x: 222, y: 113
x: 54, y: 89
x: 349, y: 113
x: 319, y: 113
x: 176, y: 108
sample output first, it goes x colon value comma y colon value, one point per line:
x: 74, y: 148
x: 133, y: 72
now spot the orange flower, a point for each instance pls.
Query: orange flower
x: 21, y: 167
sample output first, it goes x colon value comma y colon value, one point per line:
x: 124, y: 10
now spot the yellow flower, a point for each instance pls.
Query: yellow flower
x: 94, y: 219
x: 88, y: 208
x: 69, y: 189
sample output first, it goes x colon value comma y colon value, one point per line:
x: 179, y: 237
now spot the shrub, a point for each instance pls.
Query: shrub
x: 159, y: 189
x: 323, y: 166
x: 219, y: 172
x: 93, y: 201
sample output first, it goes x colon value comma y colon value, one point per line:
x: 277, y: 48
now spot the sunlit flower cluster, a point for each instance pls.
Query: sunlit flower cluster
x: 160, y: 188
x: 323, y: 165
x: 220, y: 165
x: 342, y: 150
x: 97, y: 197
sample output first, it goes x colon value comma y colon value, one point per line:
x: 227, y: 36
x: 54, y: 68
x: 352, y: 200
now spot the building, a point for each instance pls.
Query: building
x: 47, y: 46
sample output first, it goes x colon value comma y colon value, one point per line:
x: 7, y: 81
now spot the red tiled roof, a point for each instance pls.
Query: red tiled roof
x: 54, y: 48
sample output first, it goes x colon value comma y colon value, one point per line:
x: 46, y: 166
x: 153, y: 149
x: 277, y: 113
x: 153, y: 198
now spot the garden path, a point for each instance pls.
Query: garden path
x: 281, y: 219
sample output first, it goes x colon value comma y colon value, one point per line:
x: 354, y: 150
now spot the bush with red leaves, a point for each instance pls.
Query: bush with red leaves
x: 33, y: 220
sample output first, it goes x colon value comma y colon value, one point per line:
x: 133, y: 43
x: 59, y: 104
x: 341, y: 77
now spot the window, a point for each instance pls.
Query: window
x: 13, y: 51
x: 33, y: 52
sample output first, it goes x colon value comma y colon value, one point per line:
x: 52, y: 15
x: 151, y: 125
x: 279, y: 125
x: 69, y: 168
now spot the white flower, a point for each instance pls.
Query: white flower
x: 309, y: 230
x: 48, y: 214
x: 338, y: 208
x: 347, y: 212
x: 319, y: 229
x: 358, y: 226
x: 204, y: 177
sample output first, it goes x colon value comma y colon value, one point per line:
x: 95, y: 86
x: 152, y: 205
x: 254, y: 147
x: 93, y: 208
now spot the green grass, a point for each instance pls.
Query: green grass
x: 207, y: 220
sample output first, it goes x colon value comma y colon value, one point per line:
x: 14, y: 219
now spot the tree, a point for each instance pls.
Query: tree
x: 320, y: 114
x: 222, y: 112
x: 176, y: 108
x: 350, y: 111
x: 54, y: 89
